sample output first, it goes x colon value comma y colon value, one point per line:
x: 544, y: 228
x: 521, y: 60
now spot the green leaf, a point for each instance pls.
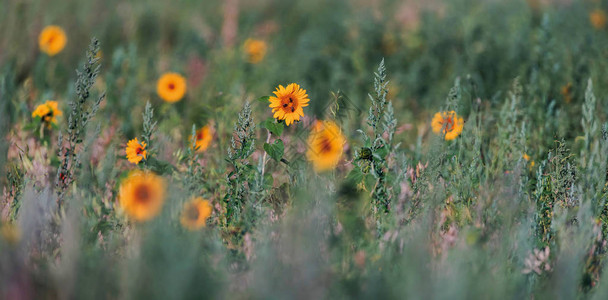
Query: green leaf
x: 274, y: 127
x: 275, y: 150
x: 369, y: 182
x: 381, y: 153
x: 34, y: 125
x: 268, y: 180
x: 159, y: 166
x: 264, y: 99
x: 355, y: 175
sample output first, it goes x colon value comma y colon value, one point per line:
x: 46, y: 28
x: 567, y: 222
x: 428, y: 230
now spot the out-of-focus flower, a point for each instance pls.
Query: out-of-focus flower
x: 171, y: 87
x: 195, y: 213
x: 48, y: 113
x: 255, y: 50
x: 598, y: 19
x: 448, y: 123
x: 10, y: 233
x: 52, y: 40
x: 567, y: 92
x: 527, y: 158
x: 203, y: 138
x: 142, y: 195
x: 325, y: 146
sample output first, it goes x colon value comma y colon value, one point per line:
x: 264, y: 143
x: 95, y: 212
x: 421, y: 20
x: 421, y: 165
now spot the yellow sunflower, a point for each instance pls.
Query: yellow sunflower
x: 255, y: 50
x: 195, y: 213
x: 171, y: 87
x: 48, y: 112
x: 325, y: 146
x: 448, y: 123
x: 136, y: 151
x: 52, y: 40
x: 203, y: 138
x: 288, y: 103
x: 142, y: 195
x: 598, y: 19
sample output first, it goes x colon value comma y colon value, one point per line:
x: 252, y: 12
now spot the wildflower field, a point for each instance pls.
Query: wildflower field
x: 274, y: 149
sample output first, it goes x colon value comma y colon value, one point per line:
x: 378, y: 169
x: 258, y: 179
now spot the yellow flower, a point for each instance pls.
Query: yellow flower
x: 527, y: 158
x: 48, y: 112
x: 325, y: 146
x: 598, y: 19
x: 195, y: 213
x: 142, y: 195
x: 10, y: 233
x: 255, y: 50
x: 567, y: 92
x: 203, y: 138
x: 136, y: 151
x: 447, y: 123
x: 52, y: 40
x: 171, y: 87
x: 288, y: 103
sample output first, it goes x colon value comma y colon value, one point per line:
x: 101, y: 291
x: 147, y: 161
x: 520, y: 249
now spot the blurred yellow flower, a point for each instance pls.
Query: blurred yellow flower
x: 598, y: 18
x: 325, y: 146
x: 389, y: 44
x: 171, y: 87
x: 10, y: 233
x: 255, y: 50
x: 136, y: 151
x: 527, y: 158
x: 203, y: 138
x: 195, y: 213
x: 48, y: 112
x: 288, y: 103
x: 567, y: 92
x: 142, y: 195
x: 447, y: 123
x: 52, y: 40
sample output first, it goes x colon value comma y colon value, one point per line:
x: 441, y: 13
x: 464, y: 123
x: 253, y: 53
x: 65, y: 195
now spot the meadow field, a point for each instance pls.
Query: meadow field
x: 276, y: 149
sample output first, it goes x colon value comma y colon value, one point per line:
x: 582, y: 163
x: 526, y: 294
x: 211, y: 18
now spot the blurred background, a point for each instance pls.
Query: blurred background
x: 480, y: 198
x: 323, y: 45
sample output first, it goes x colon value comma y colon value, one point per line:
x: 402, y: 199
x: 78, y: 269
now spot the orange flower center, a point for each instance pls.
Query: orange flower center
x: 171, y: 86
x: 325, y: 145
x: 192, y: 213
x: 142, y: 194
x: 448, y: 124
x: 289, y: 105
x: 139, y: 150
x: 199, y: 136
x: 47, y: 117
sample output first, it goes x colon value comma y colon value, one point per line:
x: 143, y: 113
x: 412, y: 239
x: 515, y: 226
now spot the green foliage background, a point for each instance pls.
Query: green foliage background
x: 405, y: 214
